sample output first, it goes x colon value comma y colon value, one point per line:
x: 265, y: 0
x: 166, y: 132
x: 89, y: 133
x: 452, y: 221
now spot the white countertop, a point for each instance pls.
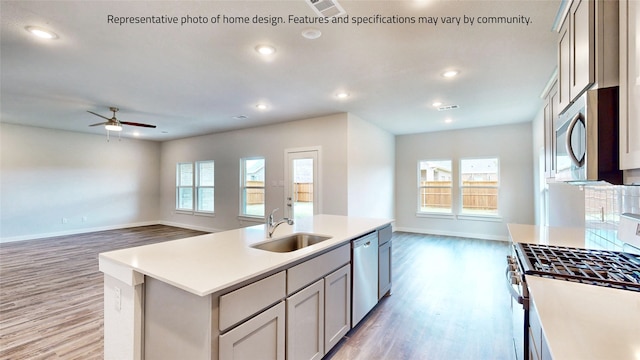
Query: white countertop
x: 581, y: 321
x: 208, y: 263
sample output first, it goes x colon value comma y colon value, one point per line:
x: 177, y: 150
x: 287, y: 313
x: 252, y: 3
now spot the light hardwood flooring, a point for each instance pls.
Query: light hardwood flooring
x: 448, y: 302
x: 51, y: 292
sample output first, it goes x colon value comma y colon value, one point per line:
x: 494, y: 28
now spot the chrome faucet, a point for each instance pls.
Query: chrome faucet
x: 272, y: 225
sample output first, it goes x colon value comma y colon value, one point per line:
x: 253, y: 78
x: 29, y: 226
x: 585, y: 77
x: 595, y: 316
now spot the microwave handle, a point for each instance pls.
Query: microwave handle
x: 572, y: 155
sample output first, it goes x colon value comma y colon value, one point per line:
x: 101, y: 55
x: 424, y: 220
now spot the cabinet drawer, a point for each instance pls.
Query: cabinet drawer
x: 384, y: 235
x: 311, y: 270
x: 251, y: 299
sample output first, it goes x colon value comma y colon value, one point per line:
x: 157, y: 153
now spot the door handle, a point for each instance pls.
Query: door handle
x: 572, y: 155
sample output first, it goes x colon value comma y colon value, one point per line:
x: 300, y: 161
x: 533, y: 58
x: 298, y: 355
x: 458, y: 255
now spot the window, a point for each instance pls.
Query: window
x: 184, y: 187
x: 195, y: 187
x: 434, y: 186
x: 479, y: 184
x: 204, y: 186
x: 252, y: 187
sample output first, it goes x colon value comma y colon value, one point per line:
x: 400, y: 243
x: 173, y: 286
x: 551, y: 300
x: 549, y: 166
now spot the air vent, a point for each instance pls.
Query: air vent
x: 448, y: 107
x: 326, y: 8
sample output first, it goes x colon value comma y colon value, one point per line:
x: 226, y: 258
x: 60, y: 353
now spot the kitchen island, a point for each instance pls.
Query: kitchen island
x: 164, y: 299
x: 580, y: 321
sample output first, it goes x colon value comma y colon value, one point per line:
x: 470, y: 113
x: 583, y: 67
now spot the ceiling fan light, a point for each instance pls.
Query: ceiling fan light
x: 111, y: 127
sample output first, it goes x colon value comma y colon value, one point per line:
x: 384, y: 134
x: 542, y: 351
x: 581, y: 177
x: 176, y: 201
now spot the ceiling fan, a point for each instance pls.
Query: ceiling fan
x: 114, y: 124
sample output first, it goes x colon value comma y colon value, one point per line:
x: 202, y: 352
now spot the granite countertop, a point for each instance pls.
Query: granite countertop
x: 581, y: 321
x: 209, y: 263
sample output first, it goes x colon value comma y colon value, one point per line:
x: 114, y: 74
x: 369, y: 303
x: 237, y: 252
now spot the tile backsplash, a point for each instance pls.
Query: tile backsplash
x: 603, y: 206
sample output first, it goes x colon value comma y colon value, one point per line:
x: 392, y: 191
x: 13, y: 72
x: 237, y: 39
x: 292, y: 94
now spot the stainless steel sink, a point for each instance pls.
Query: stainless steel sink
x: 291, y: 243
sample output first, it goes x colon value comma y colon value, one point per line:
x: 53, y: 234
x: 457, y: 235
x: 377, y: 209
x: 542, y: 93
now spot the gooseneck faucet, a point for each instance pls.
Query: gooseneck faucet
x: 272, y: 225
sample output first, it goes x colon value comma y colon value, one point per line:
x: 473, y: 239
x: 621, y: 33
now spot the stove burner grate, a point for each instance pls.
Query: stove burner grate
x: 612, y: 269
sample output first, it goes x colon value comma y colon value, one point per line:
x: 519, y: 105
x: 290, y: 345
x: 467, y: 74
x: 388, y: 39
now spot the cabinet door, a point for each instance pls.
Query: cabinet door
x: 305, y: 323
x: 262, y: 337
x: 629, y: 85
x: 564, y: 64
x: 384, y: 269
x: 337, y: 307
x: 582, y: 25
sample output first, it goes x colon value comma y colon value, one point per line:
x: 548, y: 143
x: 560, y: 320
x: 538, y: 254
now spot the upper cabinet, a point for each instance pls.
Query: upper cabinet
x: 587, y: 48
x: 629, y: 84
x: 551, y: 106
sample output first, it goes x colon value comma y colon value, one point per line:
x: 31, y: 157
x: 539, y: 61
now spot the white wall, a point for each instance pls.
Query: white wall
x: 511, y: 143
x: 47, y: 175
x: 371, y: 158
x: 226, y: 149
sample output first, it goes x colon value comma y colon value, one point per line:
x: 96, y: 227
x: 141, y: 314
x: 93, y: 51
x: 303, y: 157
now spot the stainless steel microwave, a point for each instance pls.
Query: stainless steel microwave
x: 587, y: 139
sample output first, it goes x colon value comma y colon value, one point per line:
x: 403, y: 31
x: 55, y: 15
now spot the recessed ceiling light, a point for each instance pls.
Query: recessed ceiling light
x: 448, y: 120
x: 261, y: 107
x: 342, y: 95
x: 436, y: 103
x: 265, y: 49
x: 311, y: 33
x: 450, y: 73
x: 41, y: 32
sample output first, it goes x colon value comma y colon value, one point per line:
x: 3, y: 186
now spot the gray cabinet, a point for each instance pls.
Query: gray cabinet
x: 587, y: 48
x: 337, y: 315
x: 384, y: 261
x: 629, y: 84
x: 319, y: 315
x: 305, y: 323
x: 261, y: 337
x: 551, y: 107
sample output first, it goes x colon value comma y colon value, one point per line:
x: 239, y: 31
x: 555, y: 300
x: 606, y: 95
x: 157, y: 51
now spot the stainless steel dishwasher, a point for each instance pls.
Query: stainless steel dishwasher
x: 365, y: 276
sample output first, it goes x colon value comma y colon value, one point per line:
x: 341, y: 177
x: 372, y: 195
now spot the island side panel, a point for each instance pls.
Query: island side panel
x: 178, y: 324
x: 123, y: 316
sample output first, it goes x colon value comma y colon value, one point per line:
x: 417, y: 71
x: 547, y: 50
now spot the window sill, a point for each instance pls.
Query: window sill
x: 473, y: 217
x: 205, y: 214
x: 256, y: 219
x: 183, y: 212
x: 436, y: 215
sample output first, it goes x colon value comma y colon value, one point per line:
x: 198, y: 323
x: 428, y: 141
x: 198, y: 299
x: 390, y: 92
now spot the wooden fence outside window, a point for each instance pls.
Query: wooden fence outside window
x: 476, y: 195
x: 303, y: 192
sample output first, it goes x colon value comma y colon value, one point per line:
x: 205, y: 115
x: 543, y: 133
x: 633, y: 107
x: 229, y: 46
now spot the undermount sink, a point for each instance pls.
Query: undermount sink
x: 291, y: 243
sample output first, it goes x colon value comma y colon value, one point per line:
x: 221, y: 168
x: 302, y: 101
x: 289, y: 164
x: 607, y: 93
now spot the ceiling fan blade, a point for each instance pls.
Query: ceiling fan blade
x: 102, y: 123
x: 91, y: 112
x: 137, y: 124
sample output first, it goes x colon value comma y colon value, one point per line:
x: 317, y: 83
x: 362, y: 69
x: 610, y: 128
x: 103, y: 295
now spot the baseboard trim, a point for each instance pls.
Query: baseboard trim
x: 452, y: 233
x: 190, y: 227
x: 75, y: 231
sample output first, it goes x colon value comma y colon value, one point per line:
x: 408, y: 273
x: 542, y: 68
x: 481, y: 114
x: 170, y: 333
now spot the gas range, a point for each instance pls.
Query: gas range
x: 613, y: 269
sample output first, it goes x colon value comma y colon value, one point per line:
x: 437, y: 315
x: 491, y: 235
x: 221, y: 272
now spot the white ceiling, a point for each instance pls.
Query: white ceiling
x: 194, y: 79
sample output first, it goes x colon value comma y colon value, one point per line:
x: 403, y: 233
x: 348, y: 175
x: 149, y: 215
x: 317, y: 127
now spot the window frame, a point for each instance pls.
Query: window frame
x: 180, y: 186
x: 193, y: 187
x: 419, y: 211
x: 198, y: 186
x: 243, y: 187
x: 462, y: 187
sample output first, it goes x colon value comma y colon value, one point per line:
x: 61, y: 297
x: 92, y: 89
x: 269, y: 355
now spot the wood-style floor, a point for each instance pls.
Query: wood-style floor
x: 449, y: 299
x: 51, y: 292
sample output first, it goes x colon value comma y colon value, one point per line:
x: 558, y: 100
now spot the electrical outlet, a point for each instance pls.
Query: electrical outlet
x: 117, y: 301
x: 64, y: 220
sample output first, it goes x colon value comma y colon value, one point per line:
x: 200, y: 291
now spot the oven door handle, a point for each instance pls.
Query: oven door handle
x: 574, y: 121
x: 514, y: 294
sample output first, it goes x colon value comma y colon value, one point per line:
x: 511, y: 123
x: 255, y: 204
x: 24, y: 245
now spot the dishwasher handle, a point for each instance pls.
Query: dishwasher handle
x: 364, y: 241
